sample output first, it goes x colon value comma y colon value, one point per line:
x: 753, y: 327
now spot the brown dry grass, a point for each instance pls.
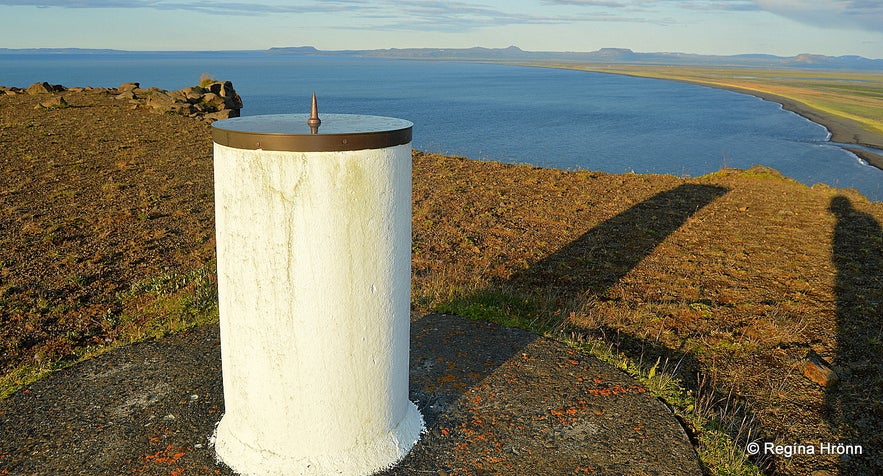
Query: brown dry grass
x: 106, y: 222
x: 736, y: 275
x: 94, y: 199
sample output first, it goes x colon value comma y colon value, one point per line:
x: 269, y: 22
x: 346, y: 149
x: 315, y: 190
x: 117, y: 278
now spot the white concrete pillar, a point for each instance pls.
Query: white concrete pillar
x: 313, y: 246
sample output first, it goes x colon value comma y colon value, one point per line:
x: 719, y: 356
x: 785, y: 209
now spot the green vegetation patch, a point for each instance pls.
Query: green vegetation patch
x: 151, y: 308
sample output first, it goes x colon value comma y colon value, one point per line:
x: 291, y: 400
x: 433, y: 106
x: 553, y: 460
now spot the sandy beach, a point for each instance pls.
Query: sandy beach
x: 843, y: 130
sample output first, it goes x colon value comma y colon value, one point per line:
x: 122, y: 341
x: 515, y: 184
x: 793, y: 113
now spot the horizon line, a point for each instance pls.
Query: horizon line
x: 511, y: 47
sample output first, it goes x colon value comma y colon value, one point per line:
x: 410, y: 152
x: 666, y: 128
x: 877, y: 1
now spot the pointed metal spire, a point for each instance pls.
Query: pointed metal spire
x: 314, y: 120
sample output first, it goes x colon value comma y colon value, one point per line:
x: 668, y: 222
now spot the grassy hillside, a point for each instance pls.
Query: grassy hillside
x: 723, y: 283
x: 727, y: 280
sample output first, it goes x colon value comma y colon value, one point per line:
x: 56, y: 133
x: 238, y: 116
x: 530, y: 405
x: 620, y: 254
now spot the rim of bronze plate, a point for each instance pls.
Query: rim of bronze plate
x: 297, y: 133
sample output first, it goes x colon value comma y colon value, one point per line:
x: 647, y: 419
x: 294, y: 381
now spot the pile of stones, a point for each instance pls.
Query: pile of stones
x: 212, y: 100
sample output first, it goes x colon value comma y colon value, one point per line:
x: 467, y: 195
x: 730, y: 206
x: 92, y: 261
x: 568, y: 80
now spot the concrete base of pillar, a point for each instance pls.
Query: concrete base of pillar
x: 366, y: 458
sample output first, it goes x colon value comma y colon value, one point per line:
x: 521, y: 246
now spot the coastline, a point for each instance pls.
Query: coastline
x: 842, y: 130
x: 871, y: 158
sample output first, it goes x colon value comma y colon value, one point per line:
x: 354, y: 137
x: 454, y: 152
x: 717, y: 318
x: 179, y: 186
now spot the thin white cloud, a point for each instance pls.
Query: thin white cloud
x: 589, y: 3
x: 467, y: 15
x: 202, y: 6
x: 861, y: 14
x: 865, y: 14
x: 645, y: 5
x: 425, y: 15
x: 460, y: 16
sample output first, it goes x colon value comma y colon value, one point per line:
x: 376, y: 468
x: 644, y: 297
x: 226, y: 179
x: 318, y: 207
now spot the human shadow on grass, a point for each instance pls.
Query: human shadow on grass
x: 854, y: 405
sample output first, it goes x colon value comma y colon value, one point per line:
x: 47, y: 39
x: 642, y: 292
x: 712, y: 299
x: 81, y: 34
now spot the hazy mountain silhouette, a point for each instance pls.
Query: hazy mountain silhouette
x: 514, y: 53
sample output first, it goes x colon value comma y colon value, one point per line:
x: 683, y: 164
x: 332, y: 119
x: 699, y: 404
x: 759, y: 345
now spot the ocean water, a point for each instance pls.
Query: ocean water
x: 546, y: 117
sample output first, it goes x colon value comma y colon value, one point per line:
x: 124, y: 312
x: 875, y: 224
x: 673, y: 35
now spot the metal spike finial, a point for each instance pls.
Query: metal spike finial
x: 314, y: 120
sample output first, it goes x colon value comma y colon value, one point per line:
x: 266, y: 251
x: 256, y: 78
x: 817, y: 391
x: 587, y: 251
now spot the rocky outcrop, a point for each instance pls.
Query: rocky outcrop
x: 39, y: 88
x: 819, y: 370
x: 56, y: 102
x: 212, y: 100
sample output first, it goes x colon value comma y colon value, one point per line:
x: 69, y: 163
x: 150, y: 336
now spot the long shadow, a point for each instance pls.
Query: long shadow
x: 450, y: 356
x: 855, y: 405
x: 100, y: 407
x: 590, y: 264
x: 602, y: 256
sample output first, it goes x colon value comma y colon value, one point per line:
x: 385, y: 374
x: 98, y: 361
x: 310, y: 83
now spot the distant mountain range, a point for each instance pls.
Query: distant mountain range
x: 515, y: 54
x: 604, y: 55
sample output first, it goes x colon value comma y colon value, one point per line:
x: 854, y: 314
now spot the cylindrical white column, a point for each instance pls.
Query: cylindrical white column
x: 314, y: 292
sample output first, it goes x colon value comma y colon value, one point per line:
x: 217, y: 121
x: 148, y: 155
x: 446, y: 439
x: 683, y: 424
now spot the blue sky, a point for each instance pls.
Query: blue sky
x: 781, y: 27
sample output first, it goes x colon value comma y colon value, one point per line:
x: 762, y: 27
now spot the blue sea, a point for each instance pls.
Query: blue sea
x: 546, y: 117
